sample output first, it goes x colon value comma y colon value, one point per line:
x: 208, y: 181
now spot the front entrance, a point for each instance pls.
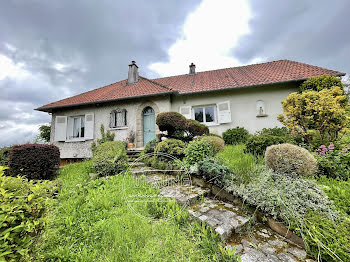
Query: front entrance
x: 149, y: 125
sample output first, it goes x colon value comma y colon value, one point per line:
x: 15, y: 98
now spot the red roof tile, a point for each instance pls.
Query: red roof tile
x: 220, y: 79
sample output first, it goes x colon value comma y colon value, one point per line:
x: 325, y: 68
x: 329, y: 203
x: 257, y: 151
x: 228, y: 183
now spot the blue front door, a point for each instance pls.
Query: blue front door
x: 149, y: 125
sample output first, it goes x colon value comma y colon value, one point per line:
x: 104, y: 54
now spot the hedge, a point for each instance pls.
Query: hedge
x: 34, y: 161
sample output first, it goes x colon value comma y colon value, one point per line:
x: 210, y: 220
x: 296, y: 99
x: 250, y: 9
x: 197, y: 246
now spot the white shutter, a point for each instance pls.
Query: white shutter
x: 224, y: 112
x: 60, y: 128
x: 186, y: 111
x: 89, y: 126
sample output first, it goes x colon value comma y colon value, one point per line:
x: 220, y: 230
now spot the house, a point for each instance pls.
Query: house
x: 248, y: 96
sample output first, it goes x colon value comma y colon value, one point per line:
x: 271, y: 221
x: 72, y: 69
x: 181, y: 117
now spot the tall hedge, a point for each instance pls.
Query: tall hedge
x: 34, y: 161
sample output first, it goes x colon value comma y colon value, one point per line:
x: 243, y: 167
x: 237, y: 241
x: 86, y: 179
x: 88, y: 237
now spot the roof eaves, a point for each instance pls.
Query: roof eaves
x: 49, y: 109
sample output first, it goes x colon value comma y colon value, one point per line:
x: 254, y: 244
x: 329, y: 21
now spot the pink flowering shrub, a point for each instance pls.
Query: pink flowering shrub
x: 334, y: 162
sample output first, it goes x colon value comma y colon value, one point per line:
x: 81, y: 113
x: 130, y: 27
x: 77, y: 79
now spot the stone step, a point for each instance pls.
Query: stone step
x: 184, y: 194
x: 160, y: 180
x: 224, y: 218
x: 149, y: 170
x: 261, y: 244
x: 136, y: 164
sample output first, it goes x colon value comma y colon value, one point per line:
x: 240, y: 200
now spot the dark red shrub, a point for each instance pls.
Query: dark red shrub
x: 171, y: 122
x: 34, y: 161
x: 195, y: 128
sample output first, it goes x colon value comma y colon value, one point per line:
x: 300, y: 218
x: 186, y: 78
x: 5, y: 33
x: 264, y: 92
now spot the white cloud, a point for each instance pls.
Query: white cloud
x: 209, y: 34
x: 9, y: 69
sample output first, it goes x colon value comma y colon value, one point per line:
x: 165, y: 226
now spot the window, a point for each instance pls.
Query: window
x: 118, y: 118
x: 205, y: 114
x: 78, y: 126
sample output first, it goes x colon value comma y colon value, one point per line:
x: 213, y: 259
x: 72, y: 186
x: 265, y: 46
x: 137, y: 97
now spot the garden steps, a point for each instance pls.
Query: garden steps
x: 237, y: 226
x: 224, y: 218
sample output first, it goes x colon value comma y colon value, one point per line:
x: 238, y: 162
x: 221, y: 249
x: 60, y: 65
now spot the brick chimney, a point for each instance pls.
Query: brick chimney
x: 192, y: 69
x: 133, y: 75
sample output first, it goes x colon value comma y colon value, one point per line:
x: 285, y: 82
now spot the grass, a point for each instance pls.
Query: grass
x: 338, y: 191
x: 91, y: 221
x: 243, y: 166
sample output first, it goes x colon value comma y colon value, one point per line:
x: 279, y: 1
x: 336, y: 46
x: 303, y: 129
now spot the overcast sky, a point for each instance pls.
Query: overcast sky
x: 50, y: 50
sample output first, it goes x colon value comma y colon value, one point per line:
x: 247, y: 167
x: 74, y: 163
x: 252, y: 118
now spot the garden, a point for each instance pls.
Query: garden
x: 298, y: 174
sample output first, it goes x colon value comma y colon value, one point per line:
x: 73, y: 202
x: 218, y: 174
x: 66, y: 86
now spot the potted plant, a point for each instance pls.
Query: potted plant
x: 131, y: 139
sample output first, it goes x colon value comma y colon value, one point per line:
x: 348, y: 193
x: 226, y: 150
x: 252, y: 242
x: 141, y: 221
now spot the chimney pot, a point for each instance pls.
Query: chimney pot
x: 192, y: 69
x: 133, y: 74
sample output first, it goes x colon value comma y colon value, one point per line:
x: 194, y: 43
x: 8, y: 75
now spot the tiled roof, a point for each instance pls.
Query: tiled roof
x: 118, y: 90
x: 220, y: 79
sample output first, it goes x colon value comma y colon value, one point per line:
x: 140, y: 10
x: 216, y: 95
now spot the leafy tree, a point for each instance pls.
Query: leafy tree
x: 321, y: 113
x: 45, y: 132
x: 319, y: 83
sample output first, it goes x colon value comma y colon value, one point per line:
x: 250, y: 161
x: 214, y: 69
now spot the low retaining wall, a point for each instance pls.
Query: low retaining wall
x: 276, y: 226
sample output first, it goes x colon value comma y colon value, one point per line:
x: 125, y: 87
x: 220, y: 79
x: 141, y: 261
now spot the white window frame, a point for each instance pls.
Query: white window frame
x: 215, y: 122
x: 70, y: 129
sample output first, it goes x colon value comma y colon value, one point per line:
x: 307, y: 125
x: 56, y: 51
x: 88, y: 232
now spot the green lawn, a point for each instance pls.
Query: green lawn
x: 90, y: 221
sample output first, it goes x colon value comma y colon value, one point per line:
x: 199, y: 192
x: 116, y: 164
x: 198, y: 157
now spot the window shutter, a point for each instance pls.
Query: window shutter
x: 60, y: 128
x: 111, y: 119
x: 89, y: 126
x: 224, y: 112
x: 186, y: 111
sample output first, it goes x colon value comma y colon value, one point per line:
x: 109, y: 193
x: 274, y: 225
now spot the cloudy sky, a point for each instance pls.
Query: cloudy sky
x: 50, y: 50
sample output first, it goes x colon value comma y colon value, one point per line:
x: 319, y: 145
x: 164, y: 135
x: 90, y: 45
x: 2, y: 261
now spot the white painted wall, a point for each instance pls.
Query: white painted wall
x: 102, y: 114
x: 243, y: 106
x: 242, y: 103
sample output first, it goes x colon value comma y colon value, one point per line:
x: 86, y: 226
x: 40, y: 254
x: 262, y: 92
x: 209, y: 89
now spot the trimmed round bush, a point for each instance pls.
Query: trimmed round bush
x: 195, y: 128
x: 257, y: 144
x: 212, y: 134
x: 290, y: 159
x: 34, y: 161
x: 173, y: 147
x: 217, y: 144
x: 197, y: 151
x: 235, y: 136
x: 171, y: 122
x: 110, y: 158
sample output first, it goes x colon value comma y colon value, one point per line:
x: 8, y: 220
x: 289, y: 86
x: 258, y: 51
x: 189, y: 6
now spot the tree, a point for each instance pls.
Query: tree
x: 319, y: 83
x: 45, y: 132
x: 310, y: 112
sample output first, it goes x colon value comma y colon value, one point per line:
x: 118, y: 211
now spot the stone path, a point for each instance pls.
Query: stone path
x: 238, y: 227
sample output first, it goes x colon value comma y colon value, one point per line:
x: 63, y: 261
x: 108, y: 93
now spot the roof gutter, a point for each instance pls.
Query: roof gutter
x: 50, y: 109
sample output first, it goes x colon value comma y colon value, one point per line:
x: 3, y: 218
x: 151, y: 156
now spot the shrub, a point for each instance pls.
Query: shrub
x: 217, y: 144
x: 243, y: 166
x: 197, y: 151
x: 171, y: 147
x: 195, y: 128
x: 323, y: 113
x: 34, y: 161
x: 23, y: 206
x: 285, y: 197
x: 171, y: 122
x: 290, y: 159
x: 275, y: 131
x: 213, y: 171
x: 333, y: 163
x: 235, y: 136
x: 105, y: 137
x: 319, y: 83
x: 110, y: 158
x: 257, y: 144
x: 212, y: 134
x: 5, y: 155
